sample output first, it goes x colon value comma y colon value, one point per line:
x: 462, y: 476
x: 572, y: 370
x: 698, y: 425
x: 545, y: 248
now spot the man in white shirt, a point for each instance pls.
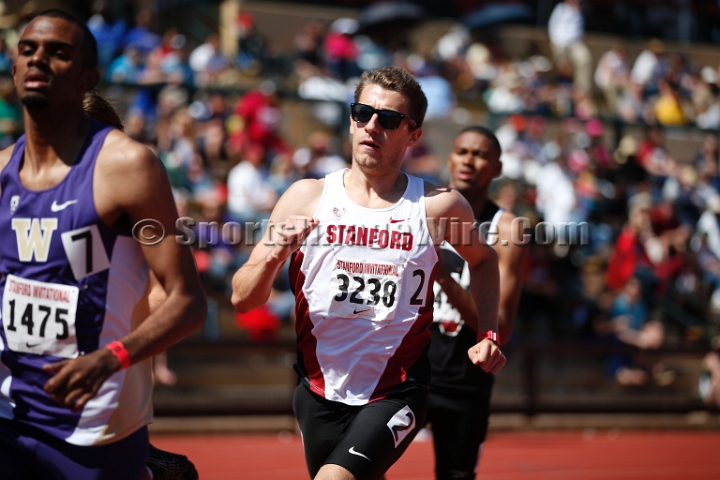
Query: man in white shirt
x: 649, y: 67
x: 566, y: 28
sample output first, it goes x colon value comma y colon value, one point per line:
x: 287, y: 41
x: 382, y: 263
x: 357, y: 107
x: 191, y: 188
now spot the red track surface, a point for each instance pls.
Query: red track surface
x: 588, y: 455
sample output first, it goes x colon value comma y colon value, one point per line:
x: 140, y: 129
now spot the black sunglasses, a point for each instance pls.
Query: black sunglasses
x: 389, y: 119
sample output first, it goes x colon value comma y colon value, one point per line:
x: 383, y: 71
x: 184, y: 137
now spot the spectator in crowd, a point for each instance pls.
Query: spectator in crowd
x: 141, y: 36
x: 340, y: 53
x: 9, y: 114
x: 6, y: 57
x: 320, y: 157
x: 211, y: 113
x: 556, y: 198
x: 151, y: 72
x: 174, y: 63
x: 214, y: 248
x: 107, y: 30
x: 261, y: 119
x: 251, y: 196
x: 612, y: 74
x: 308, y: 44
x: 632, y: 326
x: 566, y: 29
x: 709, y: 387
x: 136, y: 128
x: 441, y: 99
x: 688, y: 200
x: 629, y: 251
x: 251, y: 45
x: 668, y: 109
x: 505, y: 94
x: 208, y: 61
x: 706, y: 161
x: 631, y: 106
x: 709, y: 227
x: 649, y: 67
x: 182, y: 158
x: 472, y: 70
x: 125, y: 68
x: 654, y: 157
x: 707, y: 260
x: 705, y: 99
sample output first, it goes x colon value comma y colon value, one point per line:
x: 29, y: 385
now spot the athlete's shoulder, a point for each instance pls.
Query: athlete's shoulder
x: 507, y: 215
x: 507, y: 222
x: 5, y: 155
x: 134, y: 168
x: 308, y: 188
x: 511, y: 231
x: 444, y: 201
x: 301, y: 198
x: 122, y: 153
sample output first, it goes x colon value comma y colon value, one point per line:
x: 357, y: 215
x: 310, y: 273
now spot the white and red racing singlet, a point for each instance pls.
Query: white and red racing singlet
x: 364, y: 299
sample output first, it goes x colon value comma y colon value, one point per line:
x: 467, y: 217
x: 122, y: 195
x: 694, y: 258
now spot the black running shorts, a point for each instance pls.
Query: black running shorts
x: 367, y: 439
x: 459, y: 426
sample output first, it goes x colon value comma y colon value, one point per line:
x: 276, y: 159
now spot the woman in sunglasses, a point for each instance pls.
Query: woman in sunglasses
x: 361, y: 243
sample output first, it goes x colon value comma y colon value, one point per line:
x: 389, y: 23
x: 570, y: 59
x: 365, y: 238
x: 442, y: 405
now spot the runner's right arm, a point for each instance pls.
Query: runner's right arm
x: 459, y: 297
x: 290, y: 223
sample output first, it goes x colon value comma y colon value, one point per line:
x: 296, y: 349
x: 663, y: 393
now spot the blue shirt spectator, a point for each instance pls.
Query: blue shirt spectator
x: 109, y: 33
x: 125, y: 68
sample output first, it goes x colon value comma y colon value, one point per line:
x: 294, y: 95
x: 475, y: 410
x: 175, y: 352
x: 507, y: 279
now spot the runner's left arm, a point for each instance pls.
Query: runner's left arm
x: 483, y: 265
x: 132, y: 183
x: 512, y: 251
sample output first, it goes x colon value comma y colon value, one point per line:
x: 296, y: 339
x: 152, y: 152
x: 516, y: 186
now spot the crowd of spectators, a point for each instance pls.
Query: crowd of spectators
x: 648, y: 270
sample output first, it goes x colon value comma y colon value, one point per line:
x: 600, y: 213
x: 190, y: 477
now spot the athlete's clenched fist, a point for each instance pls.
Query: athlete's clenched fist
x: 487, y: 355
x: 290, y: 234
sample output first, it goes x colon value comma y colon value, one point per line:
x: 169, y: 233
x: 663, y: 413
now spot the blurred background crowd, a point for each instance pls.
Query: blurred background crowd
x: 610, y: 139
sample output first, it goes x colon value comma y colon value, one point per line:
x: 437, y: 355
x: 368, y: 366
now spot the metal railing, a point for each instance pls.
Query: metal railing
x: 241, y: 378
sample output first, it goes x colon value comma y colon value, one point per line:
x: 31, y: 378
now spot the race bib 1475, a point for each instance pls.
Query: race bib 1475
x: 39, y: 317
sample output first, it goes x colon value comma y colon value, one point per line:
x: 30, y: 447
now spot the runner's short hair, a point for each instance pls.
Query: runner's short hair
x: 399, y: 80
x: 485, y: 132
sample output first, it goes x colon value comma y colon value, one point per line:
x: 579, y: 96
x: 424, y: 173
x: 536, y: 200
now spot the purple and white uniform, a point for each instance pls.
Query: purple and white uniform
x: 69, y: 286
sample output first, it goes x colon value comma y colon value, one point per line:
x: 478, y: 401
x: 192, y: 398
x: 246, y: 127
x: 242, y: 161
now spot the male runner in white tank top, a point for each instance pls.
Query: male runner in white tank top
x: 363, y: 286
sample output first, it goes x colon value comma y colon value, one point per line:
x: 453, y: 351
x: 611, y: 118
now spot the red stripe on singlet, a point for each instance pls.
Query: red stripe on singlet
x: 306, y: 341
x: 412, y: 345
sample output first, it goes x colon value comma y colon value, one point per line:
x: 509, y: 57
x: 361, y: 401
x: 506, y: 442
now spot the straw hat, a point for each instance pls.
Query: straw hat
x: 628, y: 146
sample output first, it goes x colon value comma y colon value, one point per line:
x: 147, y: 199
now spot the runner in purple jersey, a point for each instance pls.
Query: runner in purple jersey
x: 77, y: 336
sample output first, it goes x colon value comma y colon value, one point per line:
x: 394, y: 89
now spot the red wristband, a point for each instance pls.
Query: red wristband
x: 120, y: 352
x: 488, y: 334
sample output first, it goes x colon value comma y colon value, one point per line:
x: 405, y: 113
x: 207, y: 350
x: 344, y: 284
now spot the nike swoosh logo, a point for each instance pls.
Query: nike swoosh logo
x: 27, y: 344
x: 356, y: 311
x: 353, y: 452
x: 392, y: 220
x: 56, y: 207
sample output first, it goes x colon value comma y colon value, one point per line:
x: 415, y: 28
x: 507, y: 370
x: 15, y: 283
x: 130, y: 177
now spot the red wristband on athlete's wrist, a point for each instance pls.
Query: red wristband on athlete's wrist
x: 120, y: 352
x: 488, y: 334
